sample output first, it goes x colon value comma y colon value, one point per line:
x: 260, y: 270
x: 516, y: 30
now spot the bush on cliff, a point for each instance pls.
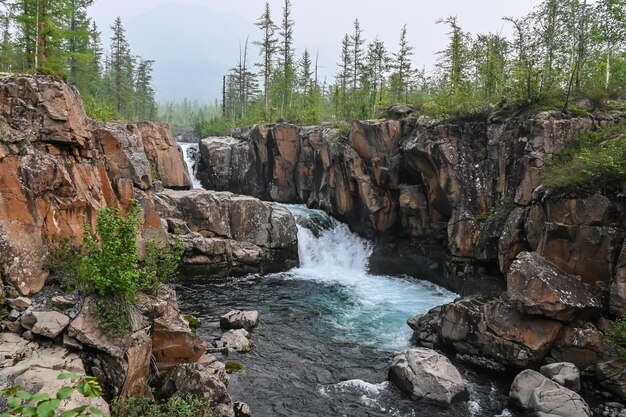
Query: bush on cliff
x: 109, y: 266
x: 596, y: 160
x: 617, y: 336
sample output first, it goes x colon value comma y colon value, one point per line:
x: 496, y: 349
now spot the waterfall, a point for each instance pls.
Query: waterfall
x: 190, y: 154
x: 373, y: 309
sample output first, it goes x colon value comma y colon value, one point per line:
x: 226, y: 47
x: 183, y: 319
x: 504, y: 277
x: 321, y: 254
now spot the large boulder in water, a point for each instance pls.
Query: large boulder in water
x: 563, y: 373
x: 537, y: 394
x: 236, y: 319
x: 536, y: 286
x: 427, y: 376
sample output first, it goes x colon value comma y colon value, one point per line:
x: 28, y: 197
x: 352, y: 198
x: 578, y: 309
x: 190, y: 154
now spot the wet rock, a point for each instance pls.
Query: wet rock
x: 238, y: 340
x: 536, y: 286
x: 618, y: 286
x: 13, y: 315
x: 427, y: 376
x: 196, y: 380
x: 535, y: 393
x: 563, y: 373
x: 491, y: 329
x: 242, y: 410
x: 45, y: 323
x: 236, y: 319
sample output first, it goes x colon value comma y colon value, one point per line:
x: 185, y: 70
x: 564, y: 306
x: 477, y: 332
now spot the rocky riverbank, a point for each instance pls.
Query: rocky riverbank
x: 58, y: 168
x: 462, y: 203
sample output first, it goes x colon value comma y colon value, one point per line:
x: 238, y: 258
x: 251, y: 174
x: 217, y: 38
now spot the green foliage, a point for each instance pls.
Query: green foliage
x: 63, y: 260
x: 100, y: 111
x: 3, y: 308
x: 215, y: 126
x: 617, y: 336
x: 341, y: 133
x: 110, y: 267
x: 187, y: 406
x: 194, y: 323
x: 22, y: 403
x: 233, y: 367
x: 161, y: 260
x: 596, y: 160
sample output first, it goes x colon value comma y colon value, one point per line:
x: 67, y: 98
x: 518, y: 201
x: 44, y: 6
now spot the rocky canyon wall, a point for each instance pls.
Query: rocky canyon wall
x: 471, y: 188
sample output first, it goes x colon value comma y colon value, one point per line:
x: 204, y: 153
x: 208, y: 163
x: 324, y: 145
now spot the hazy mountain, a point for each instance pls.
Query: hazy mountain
x: 193, y: 46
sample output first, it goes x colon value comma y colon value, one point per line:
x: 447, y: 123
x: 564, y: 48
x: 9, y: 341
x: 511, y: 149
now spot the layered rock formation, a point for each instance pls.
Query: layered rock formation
x: 57, y: 169
x: 471, y: 188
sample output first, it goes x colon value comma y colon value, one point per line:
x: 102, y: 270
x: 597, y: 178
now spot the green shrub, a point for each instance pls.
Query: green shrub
x: 596, y: 160
x: 162, y: 259
x: 110, y: 265
x: 63, y: 260
x: 194, y: 323
x: 617, y: 337
x: 187, y: 406
x: 22, y: 403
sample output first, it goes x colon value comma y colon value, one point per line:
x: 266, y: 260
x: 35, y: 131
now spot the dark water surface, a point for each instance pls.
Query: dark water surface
x: 327, y: 334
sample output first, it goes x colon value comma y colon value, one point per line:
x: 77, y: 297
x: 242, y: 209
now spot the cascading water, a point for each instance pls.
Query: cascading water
x: 189, y: 151
x: 328, y: 331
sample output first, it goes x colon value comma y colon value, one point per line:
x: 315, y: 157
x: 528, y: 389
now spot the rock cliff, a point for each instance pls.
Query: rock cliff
x: 454, y: 199
x: 57, y: 169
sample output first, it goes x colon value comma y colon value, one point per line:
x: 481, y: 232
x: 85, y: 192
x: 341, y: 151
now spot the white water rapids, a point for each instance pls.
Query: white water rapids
x: 188, y: 148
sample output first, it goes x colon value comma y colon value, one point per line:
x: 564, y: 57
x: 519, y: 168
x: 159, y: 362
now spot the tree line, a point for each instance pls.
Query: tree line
x: 57, y: 37
x: 561, y: 50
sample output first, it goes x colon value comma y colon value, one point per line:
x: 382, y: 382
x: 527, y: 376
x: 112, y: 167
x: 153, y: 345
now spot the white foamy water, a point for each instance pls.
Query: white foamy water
x: 376, y: 307
x: 190, y: 163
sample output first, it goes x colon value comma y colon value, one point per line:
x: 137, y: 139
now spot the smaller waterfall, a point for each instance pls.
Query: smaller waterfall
x: 190, y: 153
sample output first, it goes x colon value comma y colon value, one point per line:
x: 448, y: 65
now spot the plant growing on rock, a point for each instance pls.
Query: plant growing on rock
x: 617, y: 336
x: 161, y: 260
x: 22, y: 403
x: 187, y: 406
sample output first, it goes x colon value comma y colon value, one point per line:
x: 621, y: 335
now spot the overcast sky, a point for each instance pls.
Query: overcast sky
x: 194, y: 42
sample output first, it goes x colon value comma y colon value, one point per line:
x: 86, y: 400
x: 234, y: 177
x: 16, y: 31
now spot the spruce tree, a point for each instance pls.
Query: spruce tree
x: 267, y: 50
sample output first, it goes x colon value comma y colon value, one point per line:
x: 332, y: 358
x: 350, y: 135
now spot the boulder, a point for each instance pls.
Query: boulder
x: 122, y: 364
x: 535, y: 393
x: 238, y: 340
x: 427, y: 376
x: 563, y: 373
x: 612, y: 376
x: 232, y: 234
x: 62, y: 302
x: 489, y: 331
x: 536, y: 286
x: 35, y: 368
x: 196, y: 380
x: 45, y: 323
x: 584, y: 345
x: 399, y: 111
x: 242, y: 410
x: 19, y: 303
x: 236, y: 319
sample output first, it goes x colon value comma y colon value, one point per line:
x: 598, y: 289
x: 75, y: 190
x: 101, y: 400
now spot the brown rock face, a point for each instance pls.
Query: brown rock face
x: 491, y: 330
x: 230, y: 233
x: 165, y: 155
x: 473, y: 187
x: 536, y: 286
